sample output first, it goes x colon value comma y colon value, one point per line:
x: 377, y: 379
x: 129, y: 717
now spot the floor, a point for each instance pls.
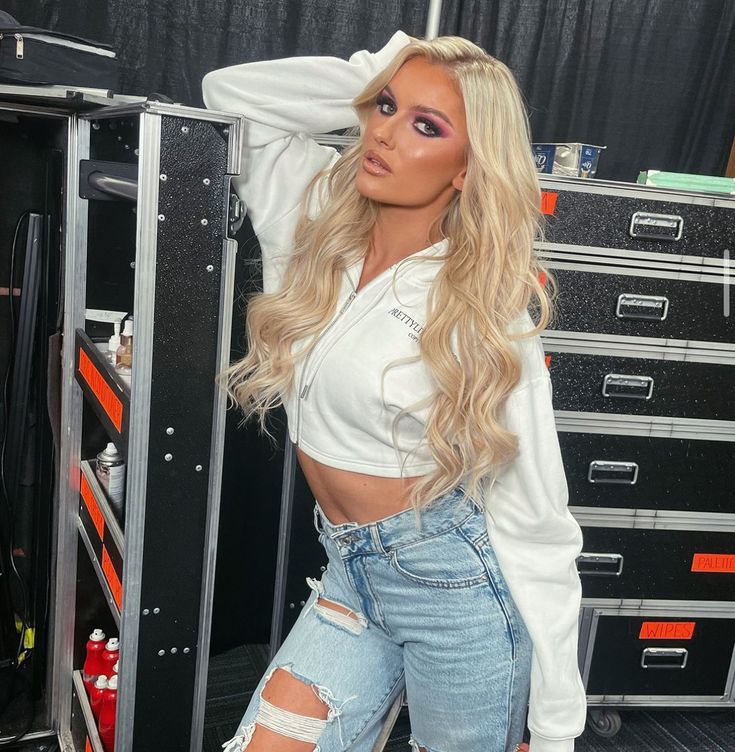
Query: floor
x: 234, y: 674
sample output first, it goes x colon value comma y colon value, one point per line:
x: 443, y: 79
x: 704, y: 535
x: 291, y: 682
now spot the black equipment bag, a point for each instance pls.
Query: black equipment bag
x: 29, y: 55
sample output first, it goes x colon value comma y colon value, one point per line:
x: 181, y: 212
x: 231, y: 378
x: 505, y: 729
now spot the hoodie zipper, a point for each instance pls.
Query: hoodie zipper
x: 304, y: 387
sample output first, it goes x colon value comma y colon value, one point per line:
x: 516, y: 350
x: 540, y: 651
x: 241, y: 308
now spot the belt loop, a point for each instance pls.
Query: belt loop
x: 317, y: 521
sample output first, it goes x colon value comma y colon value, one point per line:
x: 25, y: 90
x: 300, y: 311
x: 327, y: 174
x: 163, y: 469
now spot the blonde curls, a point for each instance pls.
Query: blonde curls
x: 490, y: 276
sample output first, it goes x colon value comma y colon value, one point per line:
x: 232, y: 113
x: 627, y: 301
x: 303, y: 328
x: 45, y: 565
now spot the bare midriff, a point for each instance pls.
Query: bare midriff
x: 346, y: 496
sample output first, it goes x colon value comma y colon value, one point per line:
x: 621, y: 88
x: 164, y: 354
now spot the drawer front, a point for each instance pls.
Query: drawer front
x: 647, y: 472
x: 641, y: 386
x: 657, y: 564
x: 634, y: 305
x: 672, y: 655
x: 605, y: 220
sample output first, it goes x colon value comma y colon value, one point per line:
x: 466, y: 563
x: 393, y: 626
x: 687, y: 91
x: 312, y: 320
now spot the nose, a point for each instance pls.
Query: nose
x: 383, y: 132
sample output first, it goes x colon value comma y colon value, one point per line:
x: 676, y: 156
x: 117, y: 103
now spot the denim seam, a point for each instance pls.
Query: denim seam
x: 428, y: 537
x: 498, y: 594
x: 370, y: 716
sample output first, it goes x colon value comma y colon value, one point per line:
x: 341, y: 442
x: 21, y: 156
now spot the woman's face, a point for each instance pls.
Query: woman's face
x: 415, y: 140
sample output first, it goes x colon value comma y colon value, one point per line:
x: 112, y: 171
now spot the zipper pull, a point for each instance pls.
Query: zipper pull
x: 347, y: 302
x: 19, y: 46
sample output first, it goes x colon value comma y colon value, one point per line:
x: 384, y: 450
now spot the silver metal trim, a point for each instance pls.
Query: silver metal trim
x: 224, y: 320
x: 616, y: 255
x: 655, y: 220
x: 656, y: 701
x: 612, y: 466
x: 592, y: 343
x: 708, y: 273
x: 97, y: 566
x: 30, y: 736
x: 622, y: 379
x: 110, y: 520
x: 140, y: 399
x: 284, y: 534
x: 654, y: 519
x: 143, y: 106
x: 633, y: 190
x: 27, y: 109
x: 644, y: 425
x: 590, y: 648
x: 664, y: 652
x: 64, y: 553
x: 654, y: 607
x: 234, y: 146
x: 89, y: 720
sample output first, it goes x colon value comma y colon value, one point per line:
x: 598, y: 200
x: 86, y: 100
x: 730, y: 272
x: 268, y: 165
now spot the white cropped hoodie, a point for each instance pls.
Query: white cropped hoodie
x: 345, y: 398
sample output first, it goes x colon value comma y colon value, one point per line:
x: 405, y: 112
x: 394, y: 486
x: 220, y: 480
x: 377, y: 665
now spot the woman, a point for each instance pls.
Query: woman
x: 393, y: 327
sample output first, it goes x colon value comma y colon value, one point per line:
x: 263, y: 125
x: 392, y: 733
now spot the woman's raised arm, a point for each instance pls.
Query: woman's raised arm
x: 283, y: 102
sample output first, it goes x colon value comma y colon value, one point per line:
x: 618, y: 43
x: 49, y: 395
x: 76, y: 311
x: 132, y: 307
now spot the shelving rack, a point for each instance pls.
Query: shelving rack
x: 147, y: 230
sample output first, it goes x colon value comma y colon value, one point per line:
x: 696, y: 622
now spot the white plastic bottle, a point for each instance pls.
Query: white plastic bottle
x: 113, y: 344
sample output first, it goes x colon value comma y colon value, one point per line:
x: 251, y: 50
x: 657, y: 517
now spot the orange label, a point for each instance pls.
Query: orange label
x: 714, y: 563
x: 107, y: 398
x: 94, y: 511
x: 548, y: 202
x: 87, y: 745
x: 666, y: 630
x: 112, y: 579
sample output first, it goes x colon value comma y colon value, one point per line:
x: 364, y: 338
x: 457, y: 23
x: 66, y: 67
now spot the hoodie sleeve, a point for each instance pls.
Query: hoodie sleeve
x: 283, y: 102
x: 537, y: 540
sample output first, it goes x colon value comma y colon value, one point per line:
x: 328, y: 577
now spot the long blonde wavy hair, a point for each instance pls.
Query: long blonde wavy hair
x: 490, y: 275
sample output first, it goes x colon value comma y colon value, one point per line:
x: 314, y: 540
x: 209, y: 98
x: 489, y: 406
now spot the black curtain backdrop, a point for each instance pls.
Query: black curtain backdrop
x: 653, y: 80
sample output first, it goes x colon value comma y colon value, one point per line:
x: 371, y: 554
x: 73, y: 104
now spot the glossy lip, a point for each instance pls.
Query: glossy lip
x: 371, y: 156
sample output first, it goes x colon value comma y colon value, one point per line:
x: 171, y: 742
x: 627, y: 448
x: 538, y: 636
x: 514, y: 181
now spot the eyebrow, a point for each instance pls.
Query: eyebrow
x: 423, y: 108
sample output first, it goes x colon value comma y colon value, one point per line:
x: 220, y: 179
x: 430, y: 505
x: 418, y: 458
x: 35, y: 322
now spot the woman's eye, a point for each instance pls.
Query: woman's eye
x: 427, y: 127
x: 386, y: 106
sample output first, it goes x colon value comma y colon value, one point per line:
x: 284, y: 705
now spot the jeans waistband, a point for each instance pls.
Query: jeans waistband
x: 399, y: 529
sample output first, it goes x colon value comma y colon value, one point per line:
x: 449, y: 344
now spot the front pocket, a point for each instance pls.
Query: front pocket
x: 447, y: 560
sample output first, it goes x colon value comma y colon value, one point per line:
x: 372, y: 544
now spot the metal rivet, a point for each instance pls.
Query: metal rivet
x: 302, y: 603
x: 163, y: 176
x: 205, y: 222
x: 145, y: 612
x: 119, y: 138
x: 168, y: 456
x: 156, y: 610
x: 186, y: 650
x: 136, y: 152
x: 324, y: 569
x: 292, y: 605
x: 161, y: 217
x: 161, y: 652
x: 225, y: 131
x: 126, y: 146
x: 184, y: 128
x: 206, y: 181
x: 174, y: 650
x: 95, y: 126
x: 198, y: 468
x: 210, y: 268
x: 169, y: 430
x: 132, y: 264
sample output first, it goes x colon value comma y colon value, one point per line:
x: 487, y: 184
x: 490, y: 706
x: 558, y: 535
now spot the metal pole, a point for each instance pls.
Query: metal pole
x: 432, y: 20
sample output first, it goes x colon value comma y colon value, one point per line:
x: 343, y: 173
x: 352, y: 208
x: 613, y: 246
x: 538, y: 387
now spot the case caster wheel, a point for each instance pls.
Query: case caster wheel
x: 605, y: 723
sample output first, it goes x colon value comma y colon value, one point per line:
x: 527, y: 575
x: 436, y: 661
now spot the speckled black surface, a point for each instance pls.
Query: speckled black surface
x: 684, y: 389
x: 588, y: 299
x: 657, y: 564
x: 616, y: 663
x: 603, y: 220
x: 672, y: 473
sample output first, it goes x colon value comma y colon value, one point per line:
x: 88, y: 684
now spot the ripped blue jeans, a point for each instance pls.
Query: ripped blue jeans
x: 430, y: 620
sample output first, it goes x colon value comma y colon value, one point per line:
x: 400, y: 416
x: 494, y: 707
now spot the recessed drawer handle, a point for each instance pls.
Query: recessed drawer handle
x: 649, y: 307
x: 629, y: 387
x: 664, y: 657
x: 656, y: 226
x: 607, y: 471
x: 606, y: 565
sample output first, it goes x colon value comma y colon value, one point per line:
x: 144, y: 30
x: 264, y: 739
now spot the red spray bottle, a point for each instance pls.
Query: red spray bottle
x: 92, y: 663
